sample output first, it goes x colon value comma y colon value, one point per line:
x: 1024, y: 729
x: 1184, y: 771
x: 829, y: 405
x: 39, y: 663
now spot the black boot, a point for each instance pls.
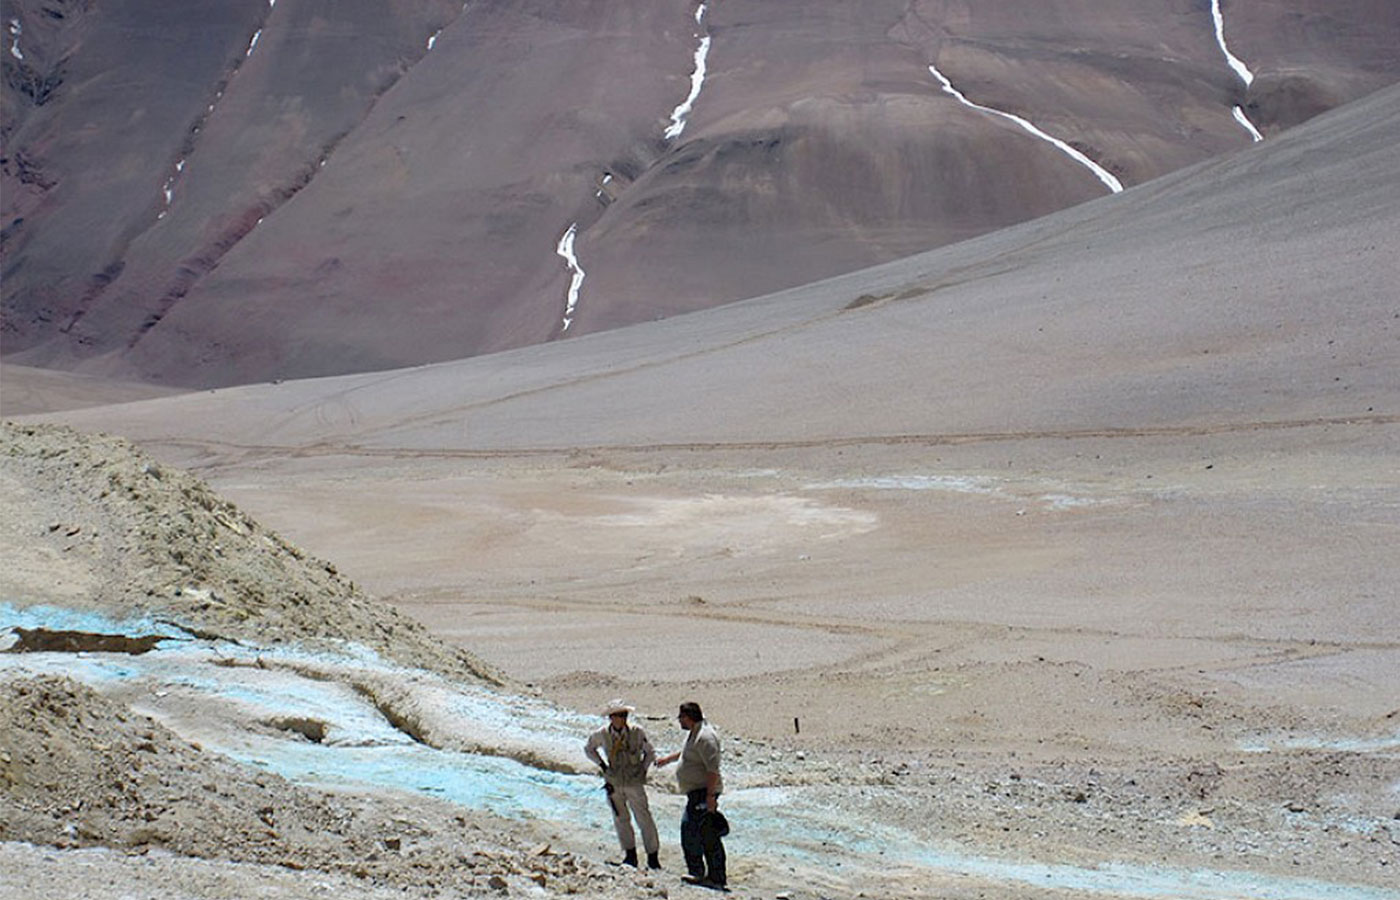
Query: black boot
x: 629, y: 858
x: 653, y: 860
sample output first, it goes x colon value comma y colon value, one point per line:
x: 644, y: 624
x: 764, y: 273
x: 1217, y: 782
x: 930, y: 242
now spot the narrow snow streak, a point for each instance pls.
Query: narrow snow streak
x: 697, y: 80
x: 1103, y: 174
x: 168, y: 191
x: 566, y: 250
x: 1240, y: 68
x: 15, y: 30
x: 433, y: 40
x: 257, y: 34
x: 1248, y: 125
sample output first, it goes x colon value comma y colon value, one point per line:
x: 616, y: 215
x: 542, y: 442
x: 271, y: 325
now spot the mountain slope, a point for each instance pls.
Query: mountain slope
x: 227, y: 193
x: 1259, y: 287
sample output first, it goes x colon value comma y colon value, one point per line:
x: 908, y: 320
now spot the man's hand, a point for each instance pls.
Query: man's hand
x: 667, y: 759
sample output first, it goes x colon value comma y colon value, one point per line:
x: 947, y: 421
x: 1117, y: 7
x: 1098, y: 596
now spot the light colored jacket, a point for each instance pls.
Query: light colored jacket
x: 699, y: 758
x: 628, y: 754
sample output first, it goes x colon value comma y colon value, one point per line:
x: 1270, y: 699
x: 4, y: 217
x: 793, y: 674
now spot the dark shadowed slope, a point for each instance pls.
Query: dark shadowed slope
x: 164, y: 134
x: 219, y: 193
x: 1258, y: 290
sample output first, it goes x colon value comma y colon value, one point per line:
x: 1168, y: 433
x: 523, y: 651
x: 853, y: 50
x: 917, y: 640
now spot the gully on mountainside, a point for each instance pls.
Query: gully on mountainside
x: 196, y: 267
x: 697, y: 78
x: 168, y: 189
x: 565, y: 247
x: 1099, y: 171
x: 1237, y: 65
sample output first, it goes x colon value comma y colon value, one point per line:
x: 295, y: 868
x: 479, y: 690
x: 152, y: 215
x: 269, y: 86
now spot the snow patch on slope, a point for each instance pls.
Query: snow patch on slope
x: 1235, y: 63
x: 1247, y: 125
x: 697, y: 79
x: 168, y: 189
x: 1099, y: 171
x: 565, y: 249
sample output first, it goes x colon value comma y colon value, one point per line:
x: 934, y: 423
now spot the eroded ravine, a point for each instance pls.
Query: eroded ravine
x: 1237, y: 66
x: 1108, y: 178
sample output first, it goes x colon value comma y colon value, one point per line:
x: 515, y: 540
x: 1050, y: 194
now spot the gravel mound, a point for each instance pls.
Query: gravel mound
x: 157, y: 542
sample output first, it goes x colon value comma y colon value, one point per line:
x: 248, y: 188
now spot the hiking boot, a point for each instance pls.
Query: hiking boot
x: 629, y: 858
x: 653, y: 860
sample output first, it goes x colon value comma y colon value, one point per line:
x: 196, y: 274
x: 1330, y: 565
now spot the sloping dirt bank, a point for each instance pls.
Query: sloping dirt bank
x: 95, y: 524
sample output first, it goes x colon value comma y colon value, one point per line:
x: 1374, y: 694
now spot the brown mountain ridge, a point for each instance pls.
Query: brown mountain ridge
x: 217, y: 193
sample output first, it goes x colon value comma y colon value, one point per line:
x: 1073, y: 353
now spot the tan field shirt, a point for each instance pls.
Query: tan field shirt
x: 699, y: 758
x: 628, y: 753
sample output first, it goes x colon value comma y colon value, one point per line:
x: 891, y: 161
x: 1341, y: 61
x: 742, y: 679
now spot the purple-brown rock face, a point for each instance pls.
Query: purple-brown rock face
x: 218, y: 191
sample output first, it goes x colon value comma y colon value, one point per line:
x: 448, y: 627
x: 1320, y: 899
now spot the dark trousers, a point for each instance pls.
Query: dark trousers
x: 702, y: 846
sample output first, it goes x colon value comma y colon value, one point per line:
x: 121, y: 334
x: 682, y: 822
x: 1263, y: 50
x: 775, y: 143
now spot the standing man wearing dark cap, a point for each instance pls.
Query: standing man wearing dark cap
x: 629, y: 756
x: 702, y: 827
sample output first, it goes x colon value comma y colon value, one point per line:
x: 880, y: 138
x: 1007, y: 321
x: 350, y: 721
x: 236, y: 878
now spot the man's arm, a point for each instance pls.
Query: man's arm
x: 709, y: 751
x: 590, y: 750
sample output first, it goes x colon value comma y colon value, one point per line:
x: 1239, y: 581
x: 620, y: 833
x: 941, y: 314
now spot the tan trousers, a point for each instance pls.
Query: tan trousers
x: 634, y: 797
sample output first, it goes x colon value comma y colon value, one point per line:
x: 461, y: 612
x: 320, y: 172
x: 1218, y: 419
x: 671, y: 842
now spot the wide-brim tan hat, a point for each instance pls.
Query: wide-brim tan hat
x: 617, y: 706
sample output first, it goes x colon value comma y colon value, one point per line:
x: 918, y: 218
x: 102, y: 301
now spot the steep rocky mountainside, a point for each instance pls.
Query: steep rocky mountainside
x: 217, y: 192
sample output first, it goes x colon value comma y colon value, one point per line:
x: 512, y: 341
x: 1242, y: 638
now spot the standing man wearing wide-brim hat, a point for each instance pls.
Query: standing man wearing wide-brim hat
x: 629, y: 755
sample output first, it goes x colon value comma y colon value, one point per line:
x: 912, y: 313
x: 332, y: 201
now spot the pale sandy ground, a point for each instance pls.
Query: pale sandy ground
x: 1080, y: 551
x: 990, y: 665
x: 1170, y: 652
x: 1017, y: 607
